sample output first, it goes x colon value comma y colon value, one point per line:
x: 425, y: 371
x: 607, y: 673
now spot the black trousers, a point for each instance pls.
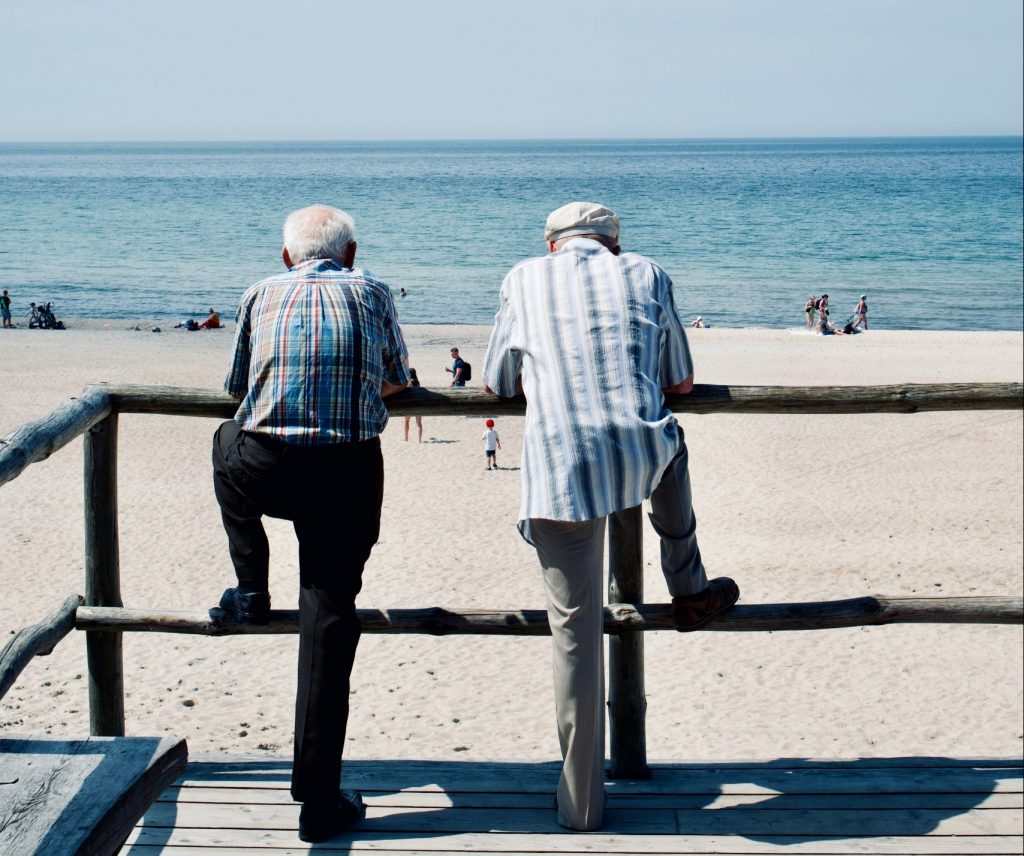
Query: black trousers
x: 332, y: 494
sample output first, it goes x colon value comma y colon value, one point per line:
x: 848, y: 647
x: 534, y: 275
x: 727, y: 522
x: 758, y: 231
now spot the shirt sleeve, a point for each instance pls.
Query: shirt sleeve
x: 237, y: 382
x: 676, y: 362
x: 503, y: 362
x: 395, y: 356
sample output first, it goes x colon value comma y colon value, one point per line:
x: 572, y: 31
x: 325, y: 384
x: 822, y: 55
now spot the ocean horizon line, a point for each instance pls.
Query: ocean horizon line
x: 298, y: 141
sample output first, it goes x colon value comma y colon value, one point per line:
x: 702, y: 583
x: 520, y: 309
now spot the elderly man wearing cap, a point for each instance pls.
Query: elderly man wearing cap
x: 591, y: 336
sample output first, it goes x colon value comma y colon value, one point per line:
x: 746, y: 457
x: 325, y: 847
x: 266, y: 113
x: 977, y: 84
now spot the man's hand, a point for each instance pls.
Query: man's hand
x: 387, y: 389
x: 682, y: 388
x: 519, y: 387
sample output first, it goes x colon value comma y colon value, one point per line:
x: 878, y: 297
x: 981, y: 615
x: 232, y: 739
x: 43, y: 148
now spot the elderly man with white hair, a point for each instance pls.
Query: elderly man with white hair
x: 316, y: 350
x: 591, y: 336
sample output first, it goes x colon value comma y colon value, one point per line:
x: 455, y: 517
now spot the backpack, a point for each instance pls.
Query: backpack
x: 817, y: 303
x: 467, y: 371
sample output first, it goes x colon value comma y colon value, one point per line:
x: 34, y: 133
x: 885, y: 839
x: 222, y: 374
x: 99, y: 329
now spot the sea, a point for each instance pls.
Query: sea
x: 929, y: 228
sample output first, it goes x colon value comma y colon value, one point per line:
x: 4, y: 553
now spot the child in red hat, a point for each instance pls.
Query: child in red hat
x: 492, y: 442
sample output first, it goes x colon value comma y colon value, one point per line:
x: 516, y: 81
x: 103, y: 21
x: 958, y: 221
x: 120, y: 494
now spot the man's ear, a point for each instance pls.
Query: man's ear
x: 287, y: 259
x: 348, y: 258
x: 551, y: 246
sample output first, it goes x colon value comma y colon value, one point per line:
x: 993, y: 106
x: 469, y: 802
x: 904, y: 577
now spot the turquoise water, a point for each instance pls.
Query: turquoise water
x: 930, y: 229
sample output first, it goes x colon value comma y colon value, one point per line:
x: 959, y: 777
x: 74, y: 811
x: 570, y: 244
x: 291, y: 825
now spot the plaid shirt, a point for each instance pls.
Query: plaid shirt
x: 310, y: 352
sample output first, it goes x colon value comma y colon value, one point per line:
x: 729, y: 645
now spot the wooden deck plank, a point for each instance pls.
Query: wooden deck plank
x: 80, y: 796
x: 732, y: 821
x: 342, y: 847
x: 842, y: 808
x: 480, y: 799
x: 850, y: 779
x: 253, y: 841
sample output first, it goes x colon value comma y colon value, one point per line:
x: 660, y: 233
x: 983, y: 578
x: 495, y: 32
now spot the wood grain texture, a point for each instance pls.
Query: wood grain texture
x: 705, y: 398
x: 864, y: 806
x: 103, y: 578
x: 37, y: 440
x: 80, y: 797
x: 627, y: 698
x: 36, y: 640
x: 619, y: 617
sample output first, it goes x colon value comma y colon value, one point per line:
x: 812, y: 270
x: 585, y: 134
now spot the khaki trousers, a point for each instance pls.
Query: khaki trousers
x: 571, y: 555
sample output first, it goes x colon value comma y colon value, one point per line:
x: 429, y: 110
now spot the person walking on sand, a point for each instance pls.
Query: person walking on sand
x: 5, y: 310
x: 414, y: 381
x: 591, y: 336
x: 316, y: 349
x: 492, y: 442
x: 809, y: 307
x: 458, y: 369
x: 860, y: 314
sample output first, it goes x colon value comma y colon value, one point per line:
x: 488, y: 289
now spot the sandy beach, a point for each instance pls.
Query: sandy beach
x: 794, y: 507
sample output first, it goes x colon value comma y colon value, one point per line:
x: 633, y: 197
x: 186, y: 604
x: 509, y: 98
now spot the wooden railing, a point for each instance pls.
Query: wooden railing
x: 103, y: 617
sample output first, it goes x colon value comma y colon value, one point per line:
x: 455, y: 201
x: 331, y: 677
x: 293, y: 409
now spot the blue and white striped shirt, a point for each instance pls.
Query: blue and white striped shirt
x: 595, y: 338
x: 310, y: 352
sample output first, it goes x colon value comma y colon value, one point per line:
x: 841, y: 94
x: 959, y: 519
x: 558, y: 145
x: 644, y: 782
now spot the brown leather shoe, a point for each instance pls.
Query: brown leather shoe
x: 694, y: 611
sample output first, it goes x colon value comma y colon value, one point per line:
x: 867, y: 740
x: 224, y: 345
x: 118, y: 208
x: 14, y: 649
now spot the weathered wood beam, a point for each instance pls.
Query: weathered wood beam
x: 103, y: 578
x: 36, y: 640
x: 37, y: 440
x: 618, y: 617
x: 627, y: 699
x: 705, y: 398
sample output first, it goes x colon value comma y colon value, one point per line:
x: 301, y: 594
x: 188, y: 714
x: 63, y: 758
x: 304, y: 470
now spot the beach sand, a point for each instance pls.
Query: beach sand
x: 794, y: 507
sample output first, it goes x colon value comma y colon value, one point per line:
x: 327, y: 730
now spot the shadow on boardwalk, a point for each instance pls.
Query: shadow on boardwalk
x: 707, y: 807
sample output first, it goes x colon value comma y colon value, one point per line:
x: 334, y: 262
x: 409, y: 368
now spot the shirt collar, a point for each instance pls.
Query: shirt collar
x: 587, y: 244
x: 321, y: 264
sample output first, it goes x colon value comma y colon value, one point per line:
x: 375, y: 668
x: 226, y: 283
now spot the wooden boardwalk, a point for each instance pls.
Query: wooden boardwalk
x: 230, y: 806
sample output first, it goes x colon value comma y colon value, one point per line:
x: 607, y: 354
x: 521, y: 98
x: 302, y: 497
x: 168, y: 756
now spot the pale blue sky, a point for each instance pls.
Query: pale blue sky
x: 407, y: 69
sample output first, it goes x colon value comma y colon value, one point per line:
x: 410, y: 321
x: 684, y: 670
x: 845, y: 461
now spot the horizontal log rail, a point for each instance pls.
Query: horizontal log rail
x: 618, y: 617
x: 35, y: 641
x: 104, y: 619
x: 705, y: 398
x: 37, y: 440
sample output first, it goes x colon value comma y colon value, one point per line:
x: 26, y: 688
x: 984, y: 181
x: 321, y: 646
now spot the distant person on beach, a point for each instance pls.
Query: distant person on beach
x: 698, y: 323
x: 860, y: 314
x: 458, y: 369
x: 401, y: 292
x: 809, y: 308
x: 304, y: 446
x: 492, y: 442
x: 822, y: 307
x: 5, y: 310
x: 591, y: 336
x: 414, y: 380
x: 212, y: 321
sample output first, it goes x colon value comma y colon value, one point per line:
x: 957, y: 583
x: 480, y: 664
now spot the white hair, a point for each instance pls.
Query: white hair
x: 318, y: 232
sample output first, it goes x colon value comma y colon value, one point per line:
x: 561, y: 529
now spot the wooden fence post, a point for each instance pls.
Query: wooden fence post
x: 627, y: 702
x: 103, y: 578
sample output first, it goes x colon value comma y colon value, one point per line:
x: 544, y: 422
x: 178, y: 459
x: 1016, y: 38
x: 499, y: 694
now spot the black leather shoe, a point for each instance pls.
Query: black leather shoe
x: 694, y: 611
x: 238, y: 608
x: 319, y: 824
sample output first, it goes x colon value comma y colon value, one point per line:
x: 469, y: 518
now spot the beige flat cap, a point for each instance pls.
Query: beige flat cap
x: 581, y: 218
